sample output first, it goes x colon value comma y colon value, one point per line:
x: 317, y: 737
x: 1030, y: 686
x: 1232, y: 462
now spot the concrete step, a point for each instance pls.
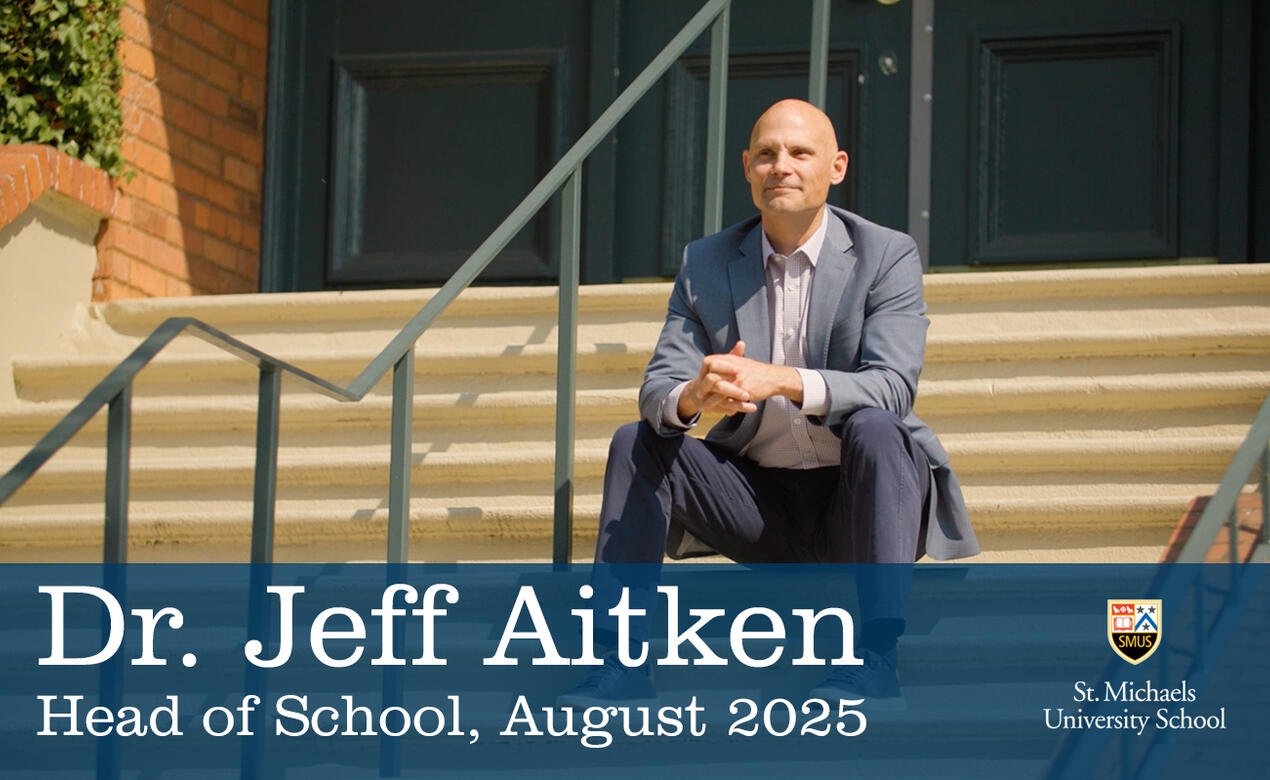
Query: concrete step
x: 51, y: 378
x: 44, y: 377
x: 1128, y: 517
x: 986, y: 398
x: 351, y: 466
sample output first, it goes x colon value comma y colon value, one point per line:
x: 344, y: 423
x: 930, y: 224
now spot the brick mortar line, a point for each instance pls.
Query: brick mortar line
x: 235, y: 5
x: 164, y: 24
x: 228, y: 155
x: 183, y: 250
x: 233, y: 124
x: 186, y: 193
x: 170, y: 62
x: 209, y: 53
x: 176, y: 65
x: 166, y: 274
x: 135, y: 224
x: 227, y: 6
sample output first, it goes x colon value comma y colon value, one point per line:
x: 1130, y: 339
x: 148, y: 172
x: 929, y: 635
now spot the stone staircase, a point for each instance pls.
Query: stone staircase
x: 1083, y: 409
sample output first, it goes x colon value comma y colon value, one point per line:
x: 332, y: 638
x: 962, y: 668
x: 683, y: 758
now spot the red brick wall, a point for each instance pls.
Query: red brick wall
x: 194, y: 107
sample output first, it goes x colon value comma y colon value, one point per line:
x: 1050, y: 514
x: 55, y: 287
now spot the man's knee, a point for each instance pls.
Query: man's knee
x: 872, y: 430
x: 624, y: 438
x: 636, y: 441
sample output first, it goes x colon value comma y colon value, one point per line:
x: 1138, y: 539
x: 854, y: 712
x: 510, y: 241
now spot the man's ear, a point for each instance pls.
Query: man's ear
x: 745, y: 163
x: 839, y: 167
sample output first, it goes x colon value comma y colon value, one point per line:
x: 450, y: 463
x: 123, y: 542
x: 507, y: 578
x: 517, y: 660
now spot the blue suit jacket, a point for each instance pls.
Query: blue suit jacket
x: 866, y: 334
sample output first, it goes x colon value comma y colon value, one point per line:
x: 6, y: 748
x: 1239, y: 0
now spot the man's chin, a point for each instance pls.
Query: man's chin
x: 785, y: 204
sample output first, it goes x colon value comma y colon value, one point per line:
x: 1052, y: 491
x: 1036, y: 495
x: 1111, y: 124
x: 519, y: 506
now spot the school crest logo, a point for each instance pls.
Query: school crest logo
x: 1134, y: 627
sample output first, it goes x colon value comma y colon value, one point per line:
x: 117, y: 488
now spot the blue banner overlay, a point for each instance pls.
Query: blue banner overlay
x: 438, y: 671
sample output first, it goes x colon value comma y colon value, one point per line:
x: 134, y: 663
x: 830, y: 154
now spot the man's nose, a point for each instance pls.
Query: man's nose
x: 781, y: 163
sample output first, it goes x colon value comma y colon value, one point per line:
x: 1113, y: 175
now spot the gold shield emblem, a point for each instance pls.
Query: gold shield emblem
x: 1134, y: 627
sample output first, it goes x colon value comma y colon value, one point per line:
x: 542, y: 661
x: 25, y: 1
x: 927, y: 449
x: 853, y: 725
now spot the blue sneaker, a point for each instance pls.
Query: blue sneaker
x: 876, y: 681
x: 609, y: 684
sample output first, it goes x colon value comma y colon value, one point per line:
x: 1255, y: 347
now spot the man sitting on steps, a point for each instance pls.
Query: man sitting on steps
x: 806, y: 328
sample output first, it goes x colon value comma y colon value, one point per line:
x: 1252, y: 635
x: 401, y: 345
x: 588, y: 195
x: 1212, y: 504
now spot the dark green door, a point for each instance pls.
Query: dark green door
x: 402, y: 133
x: 1086, y: 130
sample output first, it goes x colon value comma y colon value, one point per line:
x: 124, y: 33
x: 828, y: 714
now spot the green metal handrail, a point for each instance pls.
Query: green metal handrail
x: 115, y: 391
x: 1081, y: 751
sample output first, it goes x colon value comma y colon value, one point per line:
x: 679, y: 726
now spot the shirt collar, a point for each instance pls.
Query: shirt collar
x: 810, y: 248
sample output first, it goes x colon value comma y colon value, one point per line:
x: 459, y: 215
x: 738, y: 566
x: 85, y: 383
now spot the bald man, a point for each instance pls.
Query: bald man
x: 805, y: 327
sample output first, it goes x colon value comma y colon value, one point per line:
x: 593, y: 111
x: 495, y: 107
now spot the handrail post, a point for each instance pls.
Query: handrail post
x: 1232, y: 534
x: 403, y: 392
x: 268, y: 398
x: 118, y: 455
x: 262, y: 520
x: 110, y: 677
x: 400, y: 464
x: 818, y: 77
x: 115, y: 553
x: 716, y: 121
x: 567, y: 367
x: 1265, y: 494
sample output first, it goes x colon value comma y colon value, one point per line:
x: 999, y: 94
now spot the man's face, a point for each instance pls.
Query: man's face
x: 792, y: 160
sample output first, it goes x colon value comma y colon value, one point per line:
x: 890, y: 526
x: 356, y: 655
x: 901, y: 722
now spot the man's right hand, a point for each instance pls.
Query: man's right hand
x: 715, y: 392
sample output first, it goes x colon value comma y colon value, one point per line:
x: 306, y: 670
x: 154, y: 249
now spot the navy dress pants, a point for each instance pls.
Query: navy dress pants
x: 870, y: 509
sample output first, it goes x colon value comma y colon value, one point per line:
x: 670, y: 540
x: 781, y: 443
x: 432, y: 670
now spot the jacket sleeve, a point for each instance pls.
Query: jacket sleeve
x: 680, y: 348
x: 892, y: 340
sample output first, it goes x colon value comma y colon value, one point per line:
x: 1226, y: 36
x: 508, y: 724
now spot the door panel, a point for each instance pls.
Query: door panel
x: 429, y: 153
x: 1073, y: 131
x: 1056, y: 116
x: 411, y: 129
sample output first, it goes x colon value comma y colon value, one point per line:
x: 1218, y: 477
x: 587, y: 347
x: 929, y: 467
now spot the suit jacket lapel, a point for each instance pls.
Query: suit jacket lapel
x: 834, y: 269
x: 749, y: 297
